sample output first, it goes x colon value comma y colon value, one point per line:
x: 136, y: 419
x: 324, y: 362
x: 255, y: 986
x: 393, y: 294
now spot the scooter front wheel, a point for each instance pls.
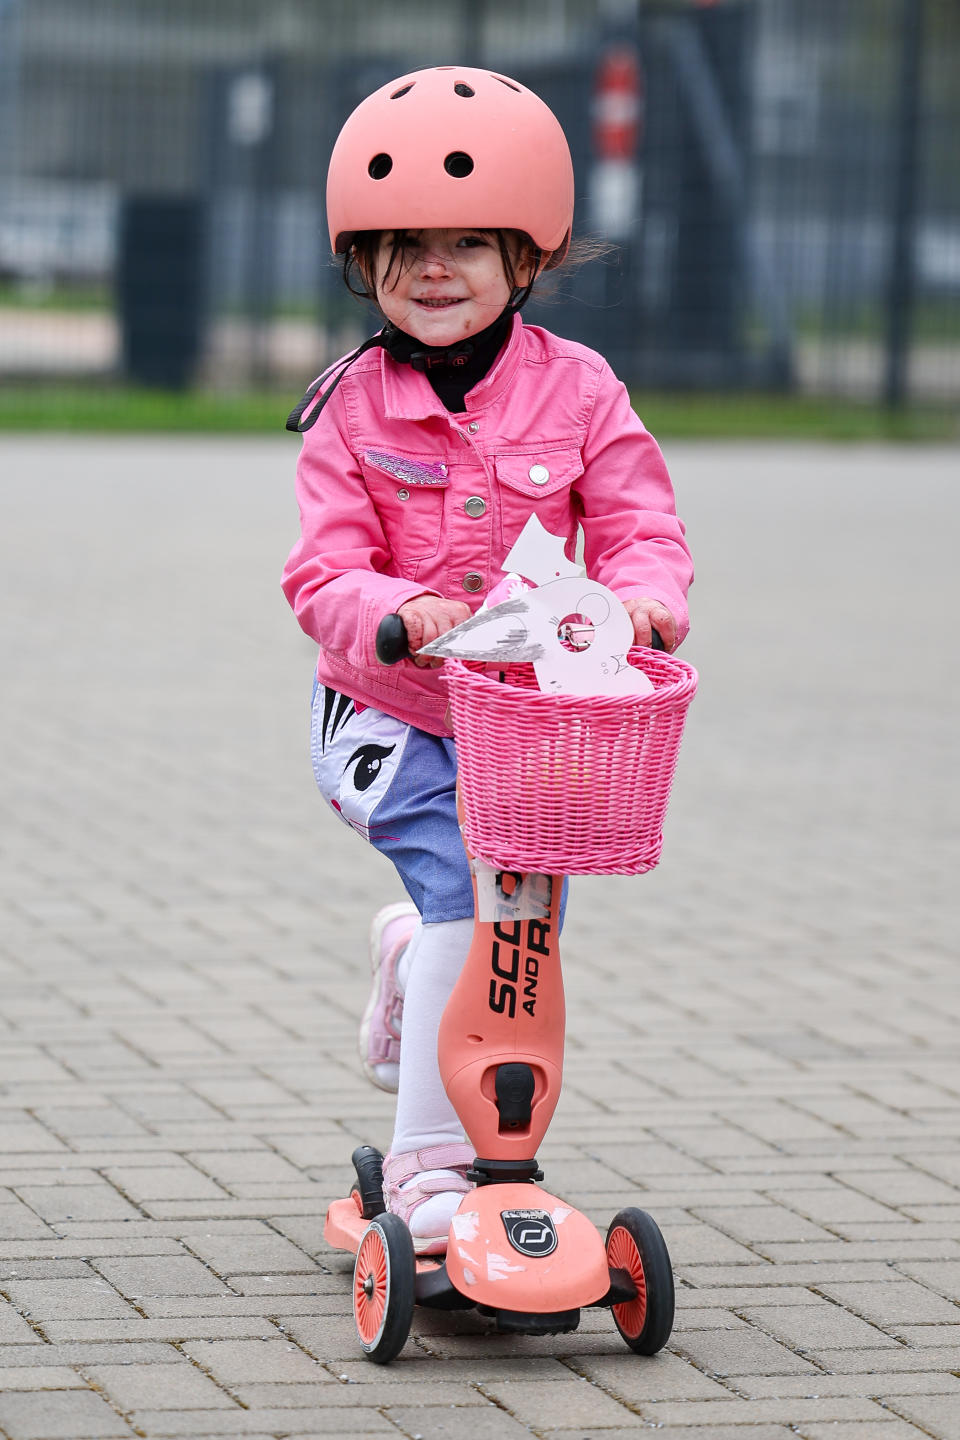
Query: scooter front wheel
x: 383, y: 1287
x: 634, y: 1244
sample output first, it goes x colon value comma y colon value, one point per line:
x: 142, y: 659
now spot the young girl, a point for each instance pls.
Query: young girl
x: 449, y: 192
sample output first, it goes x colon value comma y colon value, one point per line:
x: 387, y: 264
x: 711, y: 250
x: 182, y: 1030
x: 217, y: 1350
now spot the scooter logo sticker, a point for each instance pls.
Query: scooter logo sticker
x: 531, y: 1232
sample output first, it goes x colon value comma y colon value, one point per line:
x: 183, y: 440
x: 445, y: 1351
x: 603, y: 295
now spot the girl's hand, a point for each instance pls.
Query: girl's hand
x: 426, y: 618
x: 646, y: 613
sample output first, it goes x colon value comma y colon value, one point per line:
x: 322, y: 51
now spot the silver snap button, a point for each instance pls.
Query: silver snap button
x: 472, y: 581
x: 403, y: 494
x: 475, y: 506
x: 474, y: 426
x: 539, y: 474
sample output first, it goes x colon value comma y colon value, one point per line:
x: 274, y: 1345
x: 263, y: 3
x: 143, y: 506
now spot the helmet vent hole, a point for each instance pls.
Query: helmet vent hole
x: 463, y: 90
x: 458, y: 165
x: 380, y: 167
x: 509, y: 83
x: 404, y: 90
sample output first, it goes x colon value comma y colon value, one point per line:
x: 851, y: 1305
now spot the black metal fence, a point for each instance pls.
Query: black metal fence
x: 779, y: 181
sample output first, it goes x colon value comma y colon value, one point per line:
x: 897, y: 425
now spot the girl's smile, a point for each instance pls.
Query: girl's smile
x: 444, y: 285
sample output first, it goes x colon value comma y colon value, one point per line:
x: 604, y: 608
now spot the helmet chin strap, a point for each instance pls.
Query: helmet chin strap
x: 400, y: 346
x: 521, y: 293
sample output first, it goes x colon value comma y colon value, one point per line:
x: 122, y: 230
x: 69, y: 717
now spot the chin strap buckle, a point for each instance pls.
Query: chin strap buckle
x: 455, y: 356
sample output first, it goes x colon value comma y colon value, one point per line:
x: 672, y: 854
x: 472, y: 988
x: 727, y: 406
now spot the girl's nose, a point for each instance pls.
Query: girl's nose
x: 434, y: 262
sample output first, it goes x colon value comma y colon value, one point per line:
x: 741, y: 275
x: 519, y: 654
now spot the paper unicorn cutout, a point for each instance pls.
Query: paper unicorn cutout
x: 574, y: 631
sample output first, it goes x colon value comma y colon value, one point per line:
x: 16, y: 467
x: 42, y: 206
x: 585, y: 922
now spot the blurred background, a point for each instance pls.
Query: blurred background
x: 780, y: 178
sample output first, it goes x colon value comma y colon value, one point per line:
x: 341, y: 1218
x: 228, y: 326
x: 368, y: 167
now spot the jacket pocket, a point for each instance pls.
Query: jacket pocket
x: 538, y: 482
x: 407, y: 495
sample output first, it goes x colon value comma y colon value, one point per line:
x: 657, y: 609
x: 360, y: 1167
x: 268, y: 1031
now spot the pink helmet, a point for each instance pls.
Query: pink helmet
x: 452, y: 148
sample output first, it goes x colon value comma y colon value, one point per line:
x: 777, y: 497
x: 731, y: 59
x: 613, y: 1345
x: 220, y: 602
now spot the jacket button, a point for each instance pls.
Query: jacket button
x: 403, y: 494
x: 472, y: 581
x: 475, y: 506
x: 474, y: 426
x: 539, y: 474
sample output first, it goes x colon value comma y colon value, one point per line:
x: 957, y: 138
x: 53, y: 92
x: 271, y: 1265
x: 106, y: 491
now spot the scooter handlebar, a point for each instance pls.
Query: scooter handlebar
x: 392, y: 644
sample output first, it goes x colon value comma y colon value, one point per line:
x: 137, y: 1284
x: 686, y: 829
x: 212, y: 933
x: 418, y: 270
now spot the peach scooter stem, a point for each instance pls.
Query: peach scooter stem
x: 513, y: 1247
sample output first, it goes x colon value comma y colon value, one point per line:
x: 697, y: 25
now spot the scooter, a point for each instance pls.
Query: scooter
x: 516, y: 1253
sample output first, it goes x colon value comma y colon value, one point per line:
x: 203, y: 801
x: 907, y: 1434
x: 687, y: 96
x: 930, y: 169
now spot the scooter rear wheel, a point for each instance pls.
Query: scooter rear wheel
x: 634, y: 1244
x: 383, y: 1288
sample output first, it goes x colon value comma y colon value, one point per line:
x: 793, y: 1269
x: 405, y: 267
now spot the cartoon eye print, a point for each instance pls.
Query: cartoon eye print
x: 368, y: 760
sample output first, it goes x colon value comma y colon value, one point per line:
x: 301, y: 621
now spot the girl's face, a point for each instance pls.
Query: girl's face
x: 446, y: 285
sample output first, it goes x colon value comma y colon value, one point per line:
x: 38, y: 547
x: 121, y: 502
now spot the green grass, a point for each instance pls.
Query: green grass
x: 790, y: 417
x: 126, y: 409
x: 122, y: 409
x: 37, y: 295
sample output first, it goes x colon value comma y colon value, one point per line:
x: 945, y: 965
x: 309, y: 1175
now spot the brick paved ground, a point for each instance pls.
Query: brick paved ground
x: 764, y: 1034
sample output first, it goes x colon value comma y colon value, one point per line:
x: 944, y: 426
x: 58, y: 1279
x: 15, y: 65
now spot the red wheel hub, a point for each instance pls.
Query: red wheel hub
x: 623, y: 1254
x: 370, y: 1287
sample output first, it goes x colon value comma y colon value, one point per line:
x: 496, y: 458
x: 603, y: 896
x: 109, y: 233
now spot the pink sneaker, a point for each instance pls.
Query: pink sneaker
x: 380, y: 1027
x: 425, y: 1188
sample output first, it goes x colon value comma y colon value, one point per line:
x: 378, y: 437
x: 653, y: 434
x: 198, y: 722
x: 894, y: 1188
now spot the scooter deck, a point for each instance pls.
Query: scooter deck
x: 345, y: 1225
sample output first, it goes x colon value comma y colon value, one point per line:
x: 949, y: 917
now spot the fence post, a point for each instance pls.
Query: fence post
x: 901, y: 284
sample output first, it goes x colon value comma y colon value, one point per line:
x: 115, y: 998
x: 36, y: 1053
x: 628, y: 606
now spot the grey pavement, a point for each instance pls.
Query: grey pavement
x: 764, y: 1034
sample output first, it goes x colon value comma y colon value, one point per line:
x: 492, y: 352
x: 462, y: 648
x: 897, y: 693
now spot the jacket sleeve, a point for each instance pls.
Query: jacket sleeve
x: 337, y: 578
x: 633, y: 541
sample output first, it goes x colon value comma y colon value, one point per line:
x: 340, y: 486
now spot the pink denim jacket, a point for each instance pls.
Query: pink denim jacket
x: 399, y: 497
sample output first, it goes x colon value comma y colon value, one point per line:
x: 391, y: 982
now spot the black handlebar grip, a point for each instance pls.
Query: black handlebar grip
x: 656, y: 640
x: 391, y: 644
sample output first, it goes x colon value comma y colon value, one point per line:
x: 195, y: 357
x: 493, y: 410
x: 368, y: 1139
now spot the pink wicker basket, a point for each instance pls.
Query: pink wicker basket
x: 567, y: 784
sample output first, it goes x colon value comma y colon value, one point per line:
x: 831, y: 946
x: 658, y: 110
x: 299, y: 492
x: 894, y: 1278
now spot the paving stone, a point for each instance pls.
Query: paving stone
x: 126, y: 1353
x: 684, y: 1432
x: 755, y: 1224
x: 165, y: 1387
x: 936, y: 1414
x: 791, y: 1412
x: 660, y: 1377
x: 927, y: 1336
x: 177, y: 1328
x: 294, y: 1394
x: 924, y: 1382
x: 941, y: 1276
x: 160, y: 1424
x: 60, y: 1415
x: 490, y: 1423
x: 167, y: 1182
x: 819, y: 1326
x: 893, y: 1429
x: 35, y: 1377
x: 14, y: 1330
x: 55, y: 1203
x: 739, y: 1352
x: 876, y: 1363
x: 239, y: 1362
x: 165, y: 1275
x: 90, y: 1298
x: 273, y: 1305
x: 895, y: 1303
x: 561, y: 1403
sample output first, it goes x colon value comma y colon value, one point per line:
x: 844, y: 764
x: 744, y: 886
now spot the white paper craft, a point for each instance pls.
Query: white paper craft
x: 575, y: 631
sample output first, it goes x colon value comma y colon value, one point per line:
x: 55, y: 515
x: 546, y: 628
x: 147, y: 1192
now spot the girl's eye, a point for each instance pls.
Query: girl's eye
x: 471, y: 242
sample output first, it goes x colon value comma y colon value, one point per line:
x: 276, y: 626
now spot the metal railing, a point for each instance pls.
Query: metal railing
x: 778, y: 180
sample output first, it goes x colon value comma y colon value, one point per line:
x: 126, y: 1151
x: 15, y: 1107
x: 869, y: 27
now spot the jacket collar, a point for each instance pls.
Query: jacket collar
x: 408, y: 394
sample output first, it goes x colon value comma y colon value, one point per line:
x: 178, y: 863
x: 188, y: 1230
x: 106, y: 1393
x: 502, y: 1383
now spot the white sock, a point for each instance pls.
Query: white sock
x: 424, y: 1114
